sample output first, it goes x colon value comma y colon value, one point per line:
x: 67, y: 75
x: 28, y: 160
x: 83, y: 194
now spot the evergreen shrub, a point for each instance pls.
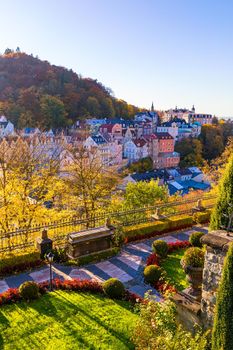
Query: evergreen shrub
x: 195, y: 239
x: 29, y: 290
x: 160, y: 248
x: 152, y: 274
x: 114, y: 288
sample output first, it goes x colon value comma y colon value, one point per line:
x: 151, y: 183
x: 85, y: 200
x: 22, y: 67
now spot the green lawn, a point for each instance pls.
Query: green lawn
x: 67, y: 320
x: 173, y: 269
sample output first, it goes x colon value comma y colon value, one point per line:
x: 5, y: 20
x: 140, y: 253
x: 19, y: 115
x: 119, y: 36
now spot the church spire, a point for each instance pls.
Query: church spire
x: 152, y: 107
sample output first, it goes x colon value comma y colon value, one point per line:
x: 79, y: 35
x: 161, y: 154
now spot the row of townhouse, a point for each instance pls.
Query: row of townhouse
x: 177, y: 180
x: 190, y: 116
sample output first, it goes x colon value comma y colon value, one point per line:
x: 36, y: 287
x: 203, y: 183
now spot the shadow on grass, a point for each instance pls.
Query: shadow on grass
x: 4, y: 323
x: 61, y: 309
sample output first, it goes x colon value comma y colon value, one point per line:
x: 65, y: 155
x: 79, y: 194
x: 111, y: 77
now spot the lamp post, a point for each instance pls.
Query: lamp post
x: 50, y: 257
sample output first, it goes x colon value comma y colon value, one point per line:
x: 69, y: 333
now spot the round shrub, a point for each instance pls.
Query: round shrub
x: 152, y: 274
x: 160, y: 248
x: 29, y: 290
x: 193, y: 257
x: 195, y: 239
x: 114, y: 288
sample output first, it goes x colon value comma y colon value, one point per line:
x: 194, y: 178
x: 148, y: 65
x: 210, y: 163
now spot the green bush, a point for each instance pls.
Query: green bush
x: 18, y: 263
x: 29, y: 290
x: 202, y: 217
x: 94, y: 257
x: 180, y: 221
x: 152, y: 274
x: 59, y: 254
x: 145, y: 229
x: 114, y: 288
x: 222, y: 335
x: 119, y: 236
x: 160, y: 248
x: 193, y: 257
x: 195, y: 239
x: 157, y: 227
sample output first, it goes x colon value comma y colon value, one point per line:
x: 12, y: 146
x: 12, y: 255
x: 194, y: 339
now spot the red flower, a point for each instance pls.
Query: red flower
x: 153, y: 259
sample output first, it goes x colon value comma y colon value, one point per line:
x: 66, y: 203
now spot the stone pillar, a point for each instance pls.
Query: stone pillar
x: 217, y: 244
x: 44, y: 244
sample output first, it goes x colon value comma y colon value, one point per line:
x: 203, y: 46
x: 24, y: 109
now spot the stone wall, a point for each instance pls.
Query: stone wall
x: 217, y: 243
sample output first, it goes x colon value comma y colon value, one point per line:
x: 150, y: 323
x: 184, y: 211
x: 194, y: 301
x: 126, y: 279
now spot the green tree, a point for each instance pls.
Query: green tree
x: 53, y: 111
x: 142, y: 165
x: 107, y: 108
x: 212, y: 141
x: 190, y: 150
x: 93, y: 106
x: 222, y: 336
x: 142, y: 194
x: 223, y: 207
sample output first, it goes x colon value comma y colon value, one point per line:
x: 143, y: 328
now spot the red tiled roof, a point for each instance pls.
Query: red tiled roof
x: 164, y: 135
x: 139, y: 142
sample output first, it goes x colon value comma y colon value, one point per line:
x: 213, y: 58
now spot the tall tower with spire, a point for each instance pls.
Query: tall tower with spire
x: 152, y: 107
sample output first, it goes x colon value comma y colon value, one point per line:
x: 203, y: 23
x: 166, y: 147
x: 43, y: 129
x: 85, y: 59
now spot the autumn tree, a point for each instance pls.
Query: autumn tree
x: 28, y: 84
x: 53, y: 111
x: 89, y: 181
x: 29, y: 178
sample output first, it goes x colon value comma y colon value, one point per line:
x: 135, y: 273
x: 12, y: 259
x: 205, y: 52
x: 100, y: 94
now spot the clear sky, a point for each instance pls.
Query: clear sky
x: 172, y: 52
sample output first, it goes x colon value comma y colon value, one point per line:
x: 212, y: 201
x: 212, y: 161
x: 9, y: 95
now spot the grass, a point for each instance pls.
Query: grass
x: 67, y: 321
x: 174, y: 271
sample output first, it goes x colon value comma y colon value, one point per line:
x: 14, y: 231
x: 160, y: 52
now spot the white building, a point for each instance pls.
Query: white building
x: 135, y: 150
x: 6, y: 127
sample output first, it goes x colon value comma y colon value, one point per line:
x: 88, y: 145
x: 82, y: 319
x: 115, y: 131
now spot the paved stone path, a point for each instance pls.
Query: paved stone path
x: 127, y: 266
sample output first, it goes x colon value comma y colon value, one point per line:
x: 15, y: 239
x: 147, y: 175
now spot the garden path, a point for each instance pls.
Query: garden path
x: 127, y: 266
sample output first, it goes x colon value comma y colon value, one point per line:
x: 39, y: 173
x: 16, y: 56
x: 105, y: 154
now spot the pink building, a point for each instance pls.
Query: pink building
x: 112, y: 130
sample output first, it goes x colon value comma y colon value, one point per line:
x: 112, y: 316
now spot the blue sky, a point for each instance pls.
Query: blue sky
x: 172, y: 52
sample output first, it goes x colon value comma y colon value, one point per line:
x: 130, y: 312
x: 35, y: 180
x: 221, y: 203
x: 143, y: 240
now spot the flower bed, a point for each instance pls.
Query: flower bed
x: 12, y: 295
x: 163, y: 286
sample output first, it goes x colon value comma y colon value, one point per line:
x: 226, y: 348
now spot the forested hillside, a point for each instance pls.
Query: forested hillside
x: 35, y: 93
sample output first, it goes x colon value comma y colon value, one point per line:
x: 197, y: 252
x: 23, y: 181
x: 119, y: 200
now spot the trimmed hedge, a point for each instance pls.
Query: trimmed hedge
x: 155, y: 228
x: 146, y: 229
x: 179, y: 222
x: 18, y: 263
x: 94, y: 257
x: 202, y: 217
